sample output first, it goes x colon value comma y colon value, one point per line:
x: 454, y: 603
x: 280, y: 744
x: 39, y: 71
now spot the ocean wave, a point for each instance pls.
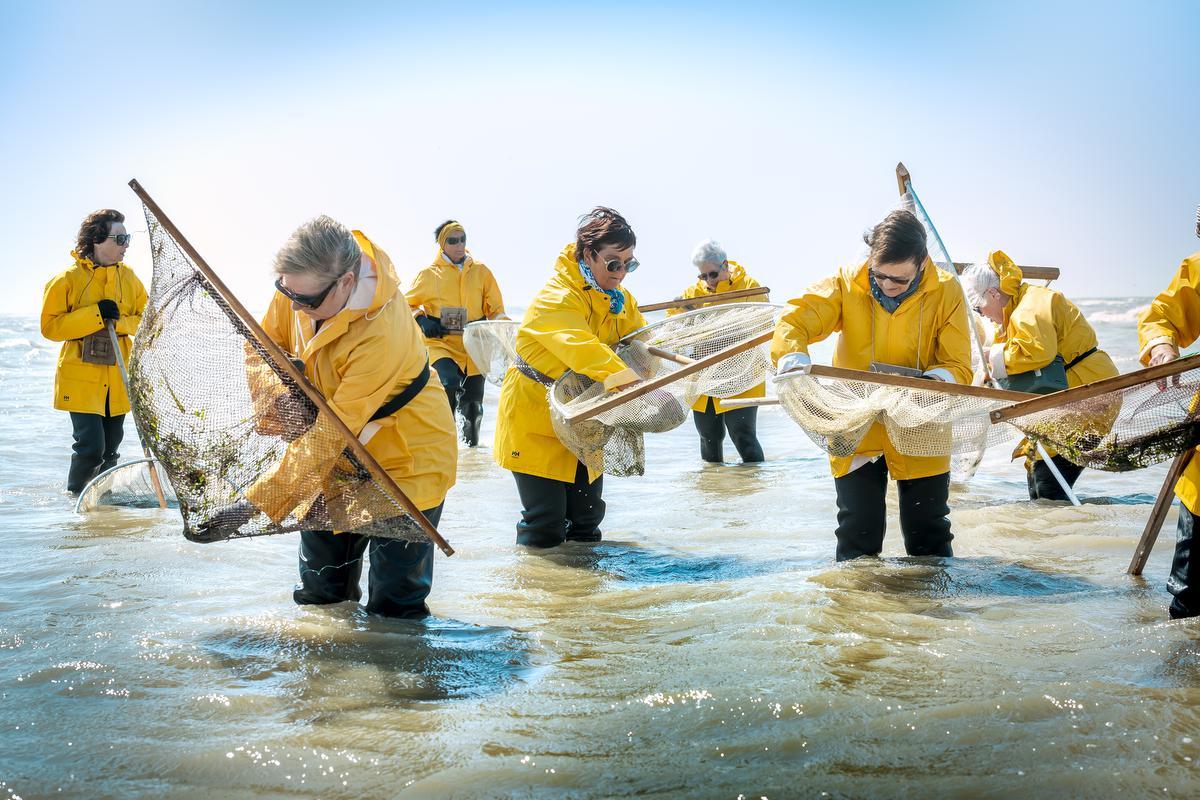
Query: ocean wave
x: 1127, y: 316
x: 14, y: 344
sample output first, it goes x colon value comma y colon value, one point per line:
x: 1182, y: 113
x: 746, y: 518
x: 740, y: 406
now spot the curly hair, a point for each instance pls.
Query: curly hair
x: 95, y: 229
x: 602, y: 226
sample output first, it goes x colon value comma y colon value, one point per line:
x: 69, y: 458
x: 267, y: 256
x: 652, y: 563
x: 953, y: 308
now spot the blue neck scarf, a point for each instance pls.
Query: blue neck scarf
x: 616, y: 298
x: 890, y: 304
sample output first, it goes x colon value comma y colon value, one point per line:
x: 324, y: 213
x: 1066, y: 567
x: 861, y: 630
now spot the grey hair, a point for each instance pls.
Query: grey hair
x: 709, y: 251
x: 322, y: 247
x: 977, y: 279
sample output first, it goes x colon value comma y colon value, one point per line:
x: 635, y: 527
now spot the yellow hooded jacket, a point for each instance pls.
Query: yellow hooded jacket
x: 567, y: 326
x: 442, y: 284
x: 738, y: 280
x: 360, y: 358
x: 70, y: 312
x: 1174, y: 318
x: 1040, y: 323
x: 930, y: 330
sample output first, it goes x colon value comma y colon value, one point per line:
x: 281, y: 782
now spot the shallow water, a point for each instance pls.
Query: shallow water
x: 709, y: 647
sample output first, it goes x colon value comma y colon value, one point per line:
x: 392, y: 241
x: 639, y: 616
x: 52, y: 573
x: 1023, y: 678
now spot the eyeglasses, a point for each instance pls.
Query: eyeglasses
x: 879, y: 276
x: 452, y: 240
x: 122, y: 239
x: 711, y: 276
x: 307, y: 300
x: 615, y: 265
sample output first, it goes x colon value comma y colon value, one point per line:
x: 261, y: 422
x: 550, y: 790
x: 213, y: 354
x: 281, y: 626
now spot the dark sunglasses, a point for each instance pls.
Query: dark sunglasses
x: 712, y: 276
x: 456, y: 239
x: 879, y: 276
x: 122, y: 239
x: 307, y: 300
x: 615, y: 265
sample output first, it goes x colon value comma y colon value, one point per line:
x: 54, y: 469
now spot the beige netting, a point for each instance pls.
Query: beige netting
x: 836, y: 414
x: 221, y: 416
x: 611, y: 442
x: 491, y: 344
x: 127, y: 485
x: 1122, y: 430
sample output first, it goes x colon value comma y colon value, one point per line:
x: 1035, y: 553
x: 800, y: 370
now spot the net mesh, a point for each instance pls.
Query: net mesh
x: 222, y: 417
x: 837, y: 414
x: 492, y: 345
x: 126, y: 485
x: 612, y: 442
x: 1122, y: 430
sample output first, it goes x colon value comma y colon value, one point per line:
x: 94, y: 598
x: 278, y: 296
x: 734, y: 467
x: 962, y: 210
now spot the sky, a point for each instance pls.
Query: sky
x: 1064, y: 133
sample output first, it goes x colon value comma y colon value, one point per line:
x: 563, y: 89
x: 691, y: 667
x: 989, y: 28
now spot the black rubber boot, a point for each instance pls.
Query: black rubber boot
x: 585, y: 507
x: 1184, y: 581
x: 1043, y: 486
x: 451, y: 378
x: 742, y: 424
x: 471, y: 406
x: 330, y: 566
x: 924, y: 515
x: 712, y: 433
x: 401, y: 575
x: 862, y: 515
x: 88, y: 451
x: 543, y: 511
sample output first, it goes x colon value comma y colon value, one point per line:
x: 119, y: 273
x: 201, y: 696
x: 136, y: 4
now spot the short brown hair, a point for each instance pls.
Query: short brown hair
x: 95, y: 229
x: 602, y: 226
x: 899, y: 238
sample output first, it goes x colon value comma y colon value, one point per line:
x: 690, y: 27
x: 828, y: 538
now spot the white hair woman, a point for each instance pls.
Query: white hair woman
x: 1043, y: 344
x: 339, y: 312
x: 718, y: 275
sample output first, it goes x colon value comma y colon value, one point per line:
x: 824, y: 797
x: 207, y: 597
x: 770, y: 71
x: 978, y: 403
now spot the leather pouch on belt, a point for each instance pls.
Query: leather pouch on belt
x: 98, y: 349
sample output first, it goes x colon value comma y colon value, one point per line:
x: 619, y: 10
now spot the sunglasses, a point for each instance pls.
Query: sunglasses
x: 122, y: 239
x: 307, y: 300
x: 711, y: 276
x: 452, y: 240
x: 879, y: 276
x: 615, y: 265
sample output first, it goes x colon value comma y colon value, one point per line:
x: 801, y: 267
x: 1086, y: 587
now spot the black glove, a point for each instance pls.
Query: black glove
x: 109, y: 310
x: 225, y: 522
x: 431, y: 326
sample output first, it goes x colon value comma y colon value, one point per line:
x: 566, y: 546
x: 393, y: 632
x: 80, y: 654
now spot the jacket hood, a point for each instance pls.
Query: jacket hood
x: 1007, y: 270
x: 374, y: 291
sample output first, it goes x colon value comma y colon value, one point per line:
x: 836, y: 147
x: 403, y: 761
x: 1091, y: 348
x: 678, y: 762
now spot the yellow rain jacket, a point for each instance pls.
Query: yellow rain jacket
x: 738, y: 280
x: 567, y: 326
x: 1174, y: 318
x: 930, y: 330
x: 442, y: 284
x: 70, y: 312
x: 1040, y: 323
x: 360, y: 358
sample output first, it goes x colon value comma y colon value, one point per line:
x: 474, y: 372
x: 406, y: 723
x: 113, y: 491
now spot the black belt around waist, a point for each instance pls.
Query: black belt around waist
x: 531, y: 373
x: 1081, y: 357
x: 405, y: 397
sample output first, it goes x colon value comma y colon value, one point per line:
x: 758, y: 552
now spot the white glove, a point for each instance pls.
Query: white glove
x: 794, y: 362
x: 940, y: 374
x: 996, y: 359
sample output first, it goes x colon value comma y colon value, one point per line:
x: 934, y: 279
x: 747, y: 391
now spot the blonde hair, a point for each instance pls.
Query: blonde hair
x: 322, y: 247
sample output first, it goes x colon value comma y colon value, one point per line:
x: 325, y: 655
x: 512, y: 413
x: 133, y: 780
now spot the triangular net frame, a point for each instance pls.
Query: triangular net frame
x: 221, y: 416
x: 127, y: 485
x: 612, y: 441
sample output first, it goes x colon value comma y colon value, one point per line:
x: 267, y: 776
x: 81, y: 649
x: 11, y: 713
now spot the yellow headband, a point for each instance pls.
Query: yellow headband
x: 447, y: 231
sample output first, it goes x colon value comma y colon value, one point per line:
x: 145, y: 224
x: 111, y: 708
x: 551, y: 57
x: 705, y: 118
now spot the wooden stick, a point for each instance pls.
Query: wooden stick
x: 283, y: 362
x: 902, y: 178
x: 669, y: 356
x: 1096, y: 388
x: 750, y: 402
x: 622, y: 397
x: 707, y: 300
x: 1032, y: 273
x: 1162, y: 504
x: 158, y: 490
x: 924, y: 384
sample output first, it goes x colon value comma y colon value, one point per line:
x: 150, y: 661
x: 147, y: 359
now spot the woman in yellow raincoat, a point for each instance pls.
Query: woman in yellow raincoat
x: 463, y: 287
x: 894, y: 308
x: 719, y: 275
x: 1043, y: 344
x: 339, y: 311
x: 572, y: 324
x: 76, y: 308
x: 1172, y: 321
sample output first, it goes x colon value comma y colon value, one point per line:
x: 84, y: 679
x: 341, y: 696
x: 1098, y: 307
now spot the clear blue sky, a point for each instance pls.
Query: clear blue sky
x: 1065, y: 133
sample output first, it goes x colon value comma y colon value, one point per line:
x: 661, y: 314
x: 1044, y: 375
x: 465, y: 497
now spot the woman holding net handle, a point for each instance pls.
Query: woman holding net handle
x: 573, y: 323
x: 893, y: 309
